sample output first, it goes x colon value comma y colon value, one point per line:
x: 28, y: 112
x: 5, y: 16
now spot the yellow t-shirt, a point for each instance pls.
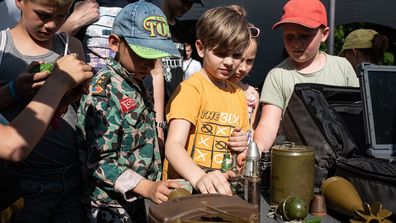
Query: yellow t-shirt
x: 213, y: 113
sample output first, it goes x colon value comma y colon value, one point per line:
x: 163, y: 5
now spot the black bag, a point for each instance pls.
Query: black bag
x: 314, y: 117
x: 374, y: 179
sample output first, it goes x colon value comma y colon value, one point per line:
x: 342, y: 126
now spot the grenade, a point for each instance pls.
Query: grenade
x: 293, y: 208
x: 43, y: 67
x: 178, y: 192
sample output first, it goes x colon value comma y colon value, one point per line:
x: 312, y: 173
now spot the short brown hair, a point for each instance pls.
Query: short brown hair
x: 223, y: 30
x: 56, y: 3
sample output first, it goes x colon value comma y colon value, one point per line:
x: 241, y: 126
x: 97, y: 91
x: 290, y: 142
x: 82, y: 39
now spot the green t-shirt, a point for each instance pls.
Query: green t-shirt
x: 279, y: 83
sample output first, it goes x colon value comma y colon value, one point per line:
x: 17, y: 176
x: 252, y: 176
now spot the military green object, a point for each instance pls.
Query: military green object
x: 313, y: 220
x: 293, y: 208
x: 227, y: 162
x: 43, y: 67
x: 343, y: 197
x: 292, y: 172
x: 178, y: 192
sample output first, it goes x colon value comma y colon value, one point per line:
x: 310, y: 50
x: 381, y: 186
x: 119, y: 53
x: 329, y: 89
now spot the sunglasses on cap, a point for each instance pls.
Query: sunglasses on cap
x: 254, y: 31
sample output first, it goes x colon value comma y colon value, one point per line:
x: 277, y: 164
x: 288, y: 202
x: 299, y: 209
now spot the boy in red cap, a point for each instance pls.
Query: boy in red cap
x: 304, y: 24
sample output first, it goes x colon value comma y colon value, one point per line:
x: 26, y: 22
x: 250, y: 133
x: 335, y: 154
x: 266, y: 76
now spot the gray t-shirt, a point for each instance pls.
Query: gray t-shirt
x: 279, y: 83
x: 57, y: 148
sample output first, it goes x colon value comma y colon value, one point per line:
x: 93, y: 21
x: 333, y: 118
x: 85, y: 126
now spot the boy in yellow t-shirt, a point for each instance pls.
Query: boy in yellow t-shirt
x: 207, y: 114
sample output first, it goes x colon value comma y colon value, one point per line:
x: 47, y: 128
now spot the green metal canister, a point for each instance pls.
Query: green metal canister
x: 292, y: 172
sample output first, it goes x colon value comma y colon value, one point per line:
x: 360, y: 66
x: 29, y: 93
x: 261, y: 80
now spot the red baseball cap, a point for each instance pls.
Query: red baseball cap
x: 308, y: 13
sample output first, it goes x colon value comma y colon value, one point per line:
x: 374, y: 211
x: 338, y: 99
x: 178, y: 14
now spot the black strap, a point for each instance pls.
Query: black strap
x: 188, y: 65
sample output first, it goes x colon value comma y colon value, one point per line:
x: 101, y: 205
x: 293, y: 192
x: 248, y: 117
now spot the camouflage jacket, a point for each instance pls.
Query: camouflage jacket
x: 116, y: 136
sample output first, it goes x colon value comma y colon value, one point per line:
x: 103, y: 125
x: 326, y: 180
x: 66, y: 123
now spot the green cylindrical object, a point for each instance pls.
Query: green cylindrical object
x: 292, y: 172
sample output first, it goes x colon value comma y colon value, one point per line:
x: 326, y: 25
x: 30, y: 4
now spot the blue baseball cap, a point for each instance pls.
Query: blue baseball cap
x: 145, y: 28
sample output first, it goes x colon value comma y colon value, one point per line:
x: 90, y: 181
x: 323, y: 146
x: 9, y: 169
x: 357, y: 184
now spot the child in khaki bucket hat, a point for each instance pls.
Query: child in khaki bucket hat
x: 364, y: 45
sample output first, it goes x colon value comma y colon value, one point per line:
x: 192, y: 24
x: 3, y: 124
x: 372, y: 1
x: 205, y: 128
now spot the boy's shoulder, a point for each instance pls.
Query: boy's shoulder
x: 109, y: 87
x: 335, y: 59
x: 196, y: 79
x: 283, y: 67
x: 108, y: 81
x: 99, y: 82
x: 339, y: 64
x: 199, y: 82
x: 286, y: 66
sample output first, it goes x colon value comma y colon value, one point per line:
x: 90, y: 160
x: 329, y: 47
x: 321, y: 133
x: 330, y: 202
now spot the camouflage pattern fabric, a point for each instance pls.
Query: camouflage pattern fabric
x: 116, y: 132
x: 134, y: 212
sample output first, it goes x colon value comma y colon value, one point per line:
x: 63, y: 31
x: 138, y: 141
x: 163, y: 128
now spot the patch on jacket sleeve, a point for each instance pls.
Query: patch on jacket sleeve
x: 127, y: 104
x: 98, y: 88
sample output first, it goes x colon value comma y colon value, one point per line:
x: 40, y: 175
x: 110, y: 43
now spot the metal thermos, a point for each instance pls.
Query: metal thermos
x: 292, y: 172
x: 251, y: 175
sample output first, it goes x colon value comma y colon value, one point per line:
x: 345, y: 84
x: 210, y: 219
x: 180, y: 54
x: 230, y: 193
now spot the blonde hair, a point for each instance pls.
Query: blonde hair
x: 224, y: 29
x: 238, y: 9
x: 56, y: 3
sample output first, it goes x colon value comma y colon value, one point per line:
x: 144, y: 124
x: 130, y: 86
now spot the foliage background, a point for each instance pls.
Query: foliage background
x: 342, y: 31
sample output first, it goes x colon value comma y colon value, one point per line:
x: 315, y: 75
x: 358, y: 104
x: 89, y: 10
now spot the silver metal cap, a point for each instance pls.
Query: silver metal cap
x: 253, y: 151
x: 252, y: 161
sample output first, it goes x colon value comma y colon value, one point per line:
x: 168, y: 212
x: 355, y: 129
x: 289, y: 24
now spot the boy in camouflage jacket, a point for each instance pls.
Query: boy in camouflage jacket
x: 116, y: 122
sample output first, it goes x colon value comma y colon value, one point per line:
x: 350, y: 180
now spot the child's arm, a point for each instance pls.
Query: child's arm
x: 127, y: 182
x: 84, y: 13
x: 19, y: 138
x: 23, y: 88
x: 159, y: 101
x: 27, y: 84
x: 254, y: 119
x: 212, y: 182
x: 267, y: 128
x: 157, y: 191
x: 116, y: 149
x: 74, y: 95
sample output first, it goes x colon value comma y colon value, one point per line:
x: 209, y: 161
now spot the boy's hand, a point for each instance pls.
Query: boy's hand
x: 238, y: 140
x: 214, y: 182
x: 241, y: 159
x: 86, y: 12
x: 157, y: 191
x: 27, y: 83
x: 72, y: 71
